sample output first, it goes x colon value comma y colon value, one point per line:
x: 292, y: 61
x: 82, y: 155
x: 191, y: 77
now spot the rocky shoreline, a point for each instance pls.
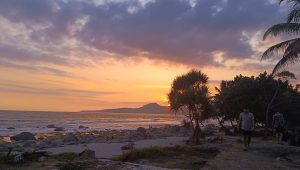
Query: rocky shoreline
x: 27, y: 141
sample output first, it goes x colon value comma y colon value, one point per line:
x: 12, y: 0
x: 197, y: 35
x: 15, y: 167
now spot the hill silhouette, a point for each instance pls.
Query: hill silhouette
x: 152, y: 108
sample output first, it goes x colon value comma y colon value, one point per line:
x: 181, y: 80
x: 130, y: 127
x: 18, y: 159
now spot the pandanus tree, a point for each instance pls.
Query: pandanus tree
x: 190, y: 95
x: 289, y: 49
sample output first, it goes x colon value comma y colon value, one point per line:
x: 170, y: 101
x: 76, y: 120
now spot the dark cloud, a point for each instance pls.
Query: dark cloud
x: 163, y: 29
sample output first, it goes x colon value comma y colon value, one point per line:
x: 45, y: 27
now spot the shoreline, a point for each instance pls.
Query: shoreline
x: 59, y: 139
x: 108, y: 146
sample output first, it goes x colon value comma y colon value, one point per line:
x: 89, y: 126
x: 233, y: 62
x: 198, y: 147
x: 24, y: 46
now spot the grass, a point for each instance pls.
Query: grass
x: 240, y: 141
x: 184, y: 157
x: 70, y: 166
x: 4, y: 159
x: 64, y: 157
x: 141, y: 154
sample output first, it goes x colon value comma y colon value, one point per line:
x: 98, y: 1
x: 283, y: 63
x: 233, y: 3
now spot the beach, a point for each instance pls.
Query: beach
x: 134, y: 149
x: 110, y: 150
x: 146, y: 147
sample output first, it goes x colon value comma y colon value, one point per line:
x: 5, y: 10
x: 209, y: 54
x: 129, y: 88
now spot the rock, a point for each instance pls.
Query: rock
x: 51, y: 126
x: 23, y: 136
x: 142, y: 131
x: 44, y: 144
x: 18, y: 158
x: 58, y: 129
x: 42, y: 159
x: 129, y: 146
x: 55, y: 143
x: 87, y: 154
x: 71, y: 138
x: 29, y: 143
x: 89, y: 139
x: 10, y: 128
x: 34, y: 156
x: 82, y: 127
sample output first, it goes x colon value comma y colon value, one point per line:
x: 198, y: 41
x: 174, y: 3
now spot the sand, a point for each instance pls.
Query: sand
x: 109, y: 150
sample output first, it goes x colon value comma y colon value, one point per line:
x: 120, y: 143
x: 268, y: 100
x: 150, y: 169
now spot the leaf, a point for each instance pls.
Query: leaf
x: 276, y: 49
x: 286, y: 75
x: 277, y: 29
x: 290, y: 56
x: 294, y: 15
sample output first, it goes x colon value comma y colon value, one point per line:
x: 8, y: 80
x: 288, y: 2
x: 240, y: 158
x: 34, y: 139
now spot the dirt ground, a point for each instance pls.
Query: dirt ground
x: 263, y: 155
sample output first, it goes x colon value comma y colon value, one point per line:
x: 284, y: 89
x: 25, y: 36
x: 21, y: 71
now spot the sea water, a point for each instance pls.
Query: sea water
x: 36, y: 121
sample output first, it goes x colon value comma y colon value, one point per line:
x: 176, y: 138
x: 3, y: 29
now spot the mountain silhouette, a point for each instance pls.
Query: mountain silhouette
x: 152, y: 108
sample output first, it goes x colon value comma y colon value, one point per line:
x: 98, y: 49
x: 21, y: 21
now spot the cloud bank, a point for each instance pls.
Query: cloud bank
x: 78, y: 33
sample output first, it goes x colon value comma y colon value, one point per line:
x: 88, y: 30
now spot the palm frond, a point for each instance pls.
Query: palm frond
x: 276, y: 49
x: 291, y: 55
x: 294, y: 15
x: 295, y: 2
x: 282, y: 28
x: 286, y: 75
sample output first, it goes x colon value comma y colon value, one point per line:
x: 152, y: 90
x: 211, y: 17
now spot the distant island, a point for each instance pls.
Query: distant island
x: 152, y: 108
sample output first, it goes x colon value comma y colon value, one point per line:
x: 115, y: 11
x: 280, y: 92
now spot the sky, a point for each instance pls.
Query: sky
x: 72, y: 55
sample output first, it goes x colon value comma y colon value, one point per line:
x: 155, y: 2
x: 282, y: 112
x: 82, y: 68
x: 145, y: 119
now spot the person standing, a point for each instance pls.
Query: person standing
x: 246, y: 123
x: 278, y: 124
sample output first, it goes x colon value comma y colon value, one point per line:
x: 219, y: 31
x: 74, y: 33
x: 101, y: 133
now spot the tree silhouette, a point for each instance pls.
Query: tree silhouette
x: 289, y: 49
x: 190, y: 93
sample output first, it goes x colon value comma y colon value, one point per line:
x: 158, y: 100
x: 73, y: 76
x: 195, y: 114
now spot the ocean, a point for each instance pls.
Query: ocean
x: 36, y: 121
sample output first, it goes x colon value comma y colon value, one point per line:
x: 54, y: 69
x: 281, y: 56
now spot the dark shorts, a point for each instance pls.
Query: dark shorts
x: 279, y: 129
x: 247, y: 132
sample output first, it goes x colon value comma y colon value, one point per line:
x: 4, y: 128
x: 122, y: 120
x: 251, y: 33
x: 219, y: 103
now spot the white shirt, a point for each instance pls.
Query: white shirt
x: 247, y: 120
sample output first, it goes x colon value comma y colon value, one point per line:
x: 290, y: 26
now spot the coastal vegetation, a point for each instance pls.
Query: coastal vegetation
x: 189, y: 95
x: 289, y: 49
x: 261, y: 93
x: 182, y: 157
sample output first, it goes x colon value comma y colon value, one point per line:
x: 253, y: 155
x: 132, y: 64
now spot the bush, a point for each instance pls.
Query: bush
x: 141, y: 154
x: 68, y: 156
x: 70, y: 166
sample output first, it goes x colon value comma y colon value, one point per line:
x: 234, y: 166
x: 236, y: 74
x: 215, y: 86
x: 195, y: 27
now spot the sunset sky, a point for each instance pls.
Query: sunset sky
x: 71, y: 55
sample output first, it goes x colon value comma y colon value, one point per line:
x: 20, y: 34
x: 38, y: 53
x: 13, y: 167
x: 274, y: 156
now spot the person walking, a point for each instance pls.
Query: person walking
x: 278, y: 123
x: 246, y: 123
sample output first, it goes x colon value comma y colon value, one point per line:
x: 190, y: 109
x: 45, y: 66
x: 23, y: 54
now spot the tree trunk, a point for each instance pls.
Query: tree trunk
x: 222, y: 125
x: 268, y: 111
x: 197, y: 132
x: 191, y: 121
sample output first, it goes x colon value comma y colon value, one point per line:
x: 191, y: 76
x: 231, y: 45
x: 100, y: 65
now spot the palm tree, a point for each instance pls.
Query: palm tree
x: 289, y: 49
x: 190, y: 93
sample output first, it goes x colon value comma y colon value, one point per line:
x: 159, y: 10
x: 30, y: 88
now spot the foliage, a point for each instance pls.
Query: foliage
x: 68, y: 156
x: 177, y: 157
x: 70, y: 166
x: 190, y: 94
x: 136, y: 154
x: 289, y: 49
x: 255, y: 94
x: 3, y: 158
